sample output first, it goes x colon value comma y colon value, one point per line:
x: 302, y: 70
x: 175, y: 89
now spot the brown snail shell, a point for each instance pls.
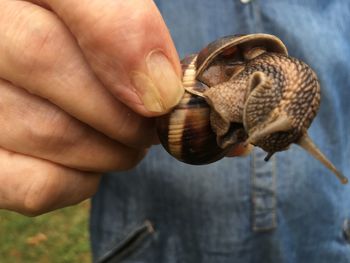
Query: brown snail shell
x: 242, y: 90
x: 186, y: 132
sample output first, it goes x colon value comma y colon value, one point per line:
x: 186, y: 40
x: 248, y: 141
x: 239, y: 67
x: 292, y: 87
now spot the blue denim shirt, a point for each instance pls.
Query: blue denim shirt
x: 290, y: 209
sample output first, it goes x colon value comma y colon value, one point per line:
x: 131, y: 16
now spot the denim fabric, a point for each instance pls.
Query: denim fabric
x: 290, y: 209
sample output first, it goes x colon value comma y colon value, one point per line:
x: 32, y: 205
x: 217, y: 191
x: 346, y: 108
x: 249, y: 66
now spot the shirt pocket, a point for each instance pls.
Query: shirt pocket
x: 134, y: 243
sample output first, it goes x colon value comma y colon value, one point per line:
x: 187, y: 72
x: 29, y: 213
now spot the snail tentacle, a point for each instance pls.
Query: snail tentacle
x: 281, y: 124
x: 309, y: 146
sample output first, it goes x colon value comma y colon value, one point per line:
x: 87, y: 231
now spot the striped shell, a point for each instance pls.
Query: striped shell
x: 186, y: 132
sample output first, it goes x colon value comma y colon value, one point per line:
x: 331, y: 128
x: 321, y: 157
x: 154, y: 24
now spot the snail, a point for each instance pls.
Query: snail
x: 243, y: 90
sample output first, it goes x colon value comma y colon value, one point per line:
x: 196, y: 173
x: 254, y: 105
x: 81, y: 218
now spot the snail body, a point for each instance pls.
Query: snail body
x: 241, y: 91
x: 272, y: 87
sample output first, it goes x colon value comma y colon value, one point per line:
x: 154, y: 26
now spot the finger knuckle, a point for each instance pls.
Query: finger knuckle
x: 52, y: 191
x: 52, y: 130
x: 40, y: 196
x: 38, y: 43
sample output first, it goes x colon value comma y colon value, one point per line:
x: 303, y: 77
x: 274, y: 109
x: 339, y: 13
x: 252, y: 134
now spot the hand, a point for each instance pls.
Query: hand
x: 78, y: 81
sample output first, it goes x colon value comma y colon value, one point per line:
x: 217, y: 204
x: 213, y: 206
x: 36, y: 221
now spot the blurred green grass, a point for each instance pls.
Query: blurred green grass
x: 57, y: 237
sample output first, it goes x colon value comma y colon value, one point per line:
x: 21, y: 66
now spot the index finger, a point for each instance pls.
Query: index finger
x: 129, y: 47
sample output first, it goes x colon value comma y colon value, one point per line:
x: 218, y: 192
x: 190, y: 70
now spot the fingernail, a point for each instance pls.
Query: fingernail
x: 160, y: 88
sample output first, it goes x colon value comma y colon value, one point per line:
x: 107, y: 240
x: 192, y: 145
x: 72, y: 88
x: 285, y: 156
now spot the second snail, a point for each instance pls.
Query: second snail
x: 243, y: 91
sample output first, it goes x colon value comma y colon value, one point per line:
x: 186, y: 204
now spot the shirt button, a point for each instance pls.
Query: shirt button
x: 245, y: 1
x: 346, y: 230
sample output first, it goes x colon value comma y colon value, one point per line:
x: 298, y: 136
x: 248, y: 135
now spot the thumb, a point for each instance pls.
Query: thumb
x: 128, y: 46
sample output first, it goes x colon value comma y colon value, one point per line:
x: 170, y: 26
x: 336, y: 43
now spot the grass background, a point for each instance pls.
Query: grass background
x: 57, y: 237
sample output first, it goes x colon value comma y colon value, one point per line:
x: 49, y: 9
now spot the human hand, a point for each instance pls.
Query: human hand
x: 78, y: 81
